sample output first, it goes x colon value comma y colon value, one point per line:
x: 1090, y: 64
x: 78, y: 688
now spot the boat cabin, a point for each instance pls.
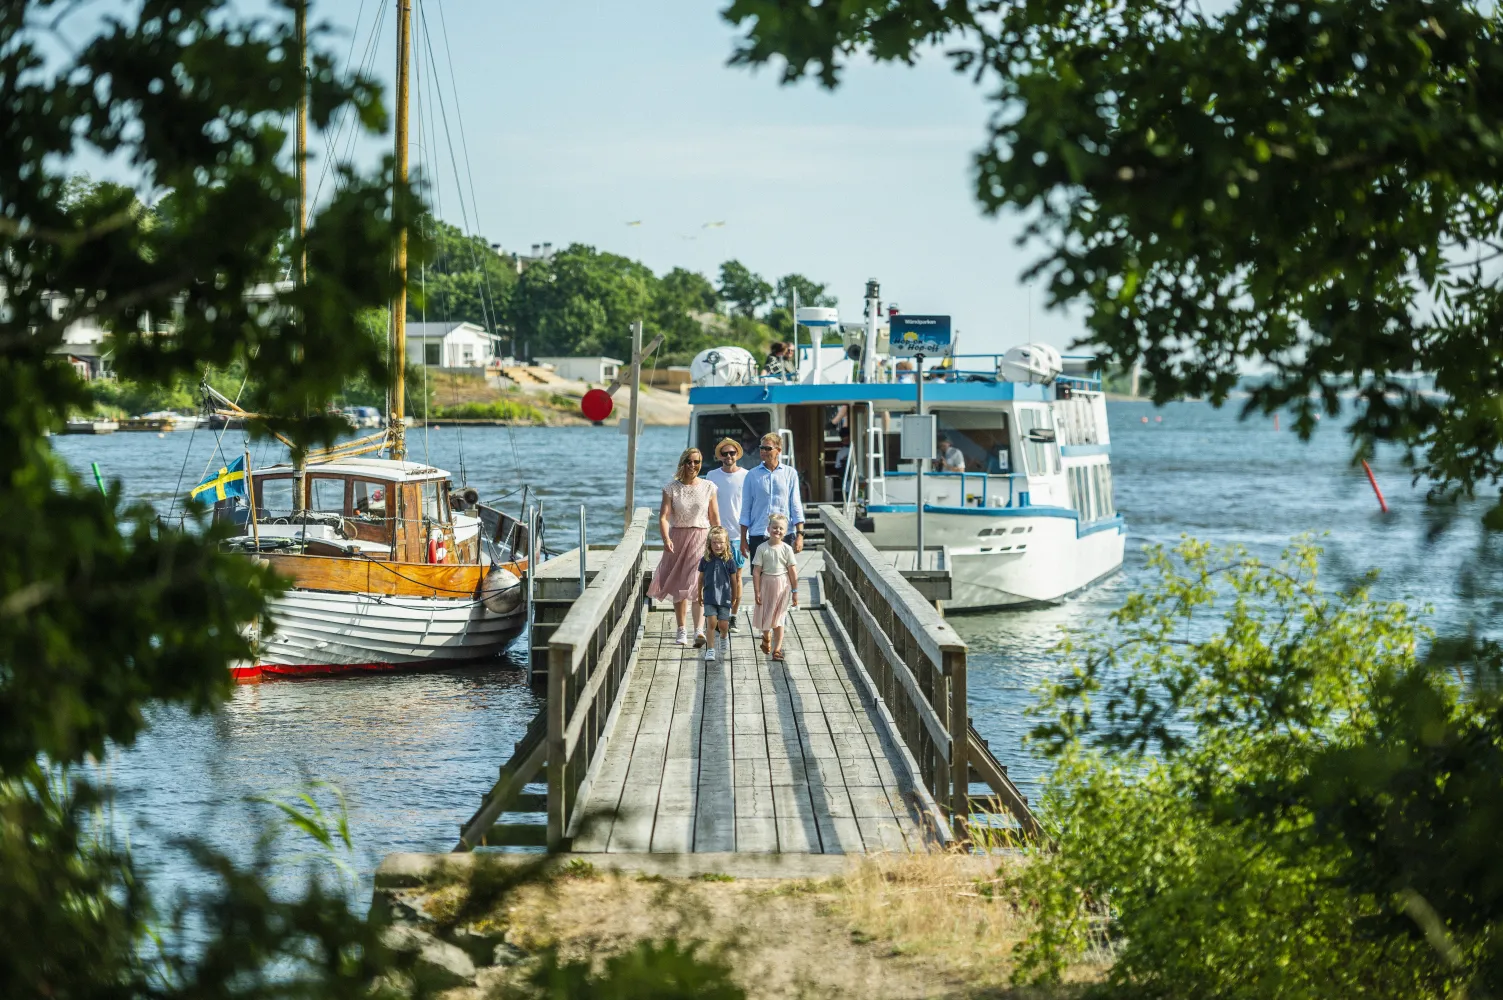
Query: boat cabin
x: 362, y: 507
x: 1002, y: 444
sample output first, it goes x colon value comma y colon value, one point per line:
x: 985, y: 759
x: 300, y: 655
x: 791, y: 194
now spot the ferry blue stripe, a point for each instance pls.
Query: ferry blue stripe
x: 1082, y: 450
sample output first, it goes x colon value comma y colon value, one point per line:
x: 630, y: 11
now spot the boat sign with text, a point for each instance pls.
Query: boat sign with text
x: 911, y: 336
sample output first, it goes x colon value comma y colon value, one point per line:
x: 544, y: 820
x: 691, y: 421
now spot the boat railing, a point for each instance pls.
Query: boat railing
x: 1014, y: 494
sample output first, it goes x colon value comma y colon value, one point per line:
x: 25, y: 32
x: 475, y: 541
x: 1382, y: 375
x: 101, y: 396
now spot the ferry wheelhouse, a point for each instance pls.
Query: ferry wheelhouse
x: 1025, y: 513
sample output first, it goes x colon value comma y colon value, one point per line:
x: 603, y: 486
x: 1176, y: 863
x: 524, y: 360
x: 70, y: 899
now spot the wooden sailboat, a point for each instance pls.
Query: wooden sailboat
x: 392, y: 565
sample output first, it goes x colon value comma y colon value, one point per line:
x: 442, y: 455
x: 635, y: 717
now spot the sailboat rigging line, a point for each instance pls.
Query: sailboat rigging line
x: 487, y: 313
x: 347, y: 114
x: 218, y: 443
x: 490, y: 313
x: 487, y: 306
x: 464, y: 145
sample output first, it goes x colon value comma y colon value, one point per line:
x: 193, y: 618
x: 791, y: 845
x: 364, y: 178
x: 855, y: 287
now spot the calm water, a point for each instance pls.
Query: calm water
x: 414, y: 753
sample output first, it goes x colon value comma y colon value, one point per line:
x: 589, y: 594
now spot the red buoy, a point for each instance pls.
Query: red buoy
x: 596, y: 405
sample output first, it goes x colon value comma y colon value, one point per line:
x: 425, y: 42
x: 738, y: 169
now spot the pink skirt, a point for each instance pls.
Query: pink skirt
x: 677, y: 575
x: 775, y: 597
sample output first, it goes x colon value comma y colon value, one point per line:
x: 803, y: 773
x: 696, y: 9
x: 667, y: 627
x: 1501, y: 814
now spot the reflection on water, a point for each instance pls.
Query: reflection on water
x: 413, y: 753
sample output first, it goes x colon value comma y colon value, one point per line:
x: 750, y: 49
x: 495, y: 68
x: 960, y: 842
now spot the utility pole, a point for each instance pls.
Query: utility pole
x: 631, y: 428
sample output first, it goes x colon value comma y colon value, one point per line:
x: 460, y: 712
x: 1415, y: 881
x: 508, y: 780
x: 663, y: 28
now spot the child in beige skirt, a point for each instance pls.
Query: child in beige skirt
x: 775, y: 584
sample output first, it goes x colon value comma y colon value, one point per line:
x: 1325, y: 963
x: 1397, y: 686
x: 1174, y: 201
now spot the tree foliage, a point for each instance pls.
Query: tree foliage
x: 583, y: 301
x: 1311, y: 186
x: 1262, y: 790
x: 463, y: 281
x: 742, y: 289
x: 104, y: 609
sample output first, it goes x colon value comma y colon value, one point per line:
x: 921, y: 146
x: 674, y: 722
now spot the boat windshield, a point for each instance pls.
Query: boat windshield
x: 274, y: 497
x: 980, y: 435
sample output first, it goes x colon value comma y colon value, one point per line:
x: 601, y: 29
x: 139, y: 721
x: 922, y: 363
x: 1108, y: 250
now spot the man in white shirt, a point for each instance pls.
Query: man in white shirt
x: 950, y: 456
x: 728, y: 481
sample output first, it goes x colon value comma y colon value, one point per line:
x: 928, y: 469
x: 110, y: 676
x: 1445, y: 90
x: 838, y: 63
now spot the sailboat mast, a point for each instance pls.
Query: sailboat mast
x: 399, y: 300
x: 302, y: 139
x: 301, y: 27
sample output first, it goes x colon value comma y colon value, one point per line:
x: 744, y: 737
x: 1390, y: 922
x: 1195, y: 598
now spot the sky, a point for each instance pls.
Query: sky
x: 581, y: 117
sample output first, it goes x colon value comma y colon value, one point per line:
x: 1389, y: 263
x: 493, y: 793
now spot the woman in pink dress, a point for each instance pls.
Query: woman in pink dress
x: 688, y: 513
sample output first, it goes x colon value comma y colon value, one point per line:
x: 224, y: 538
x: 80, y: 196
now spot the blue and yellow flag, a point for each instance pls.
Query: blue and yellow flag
x: 227, y: 482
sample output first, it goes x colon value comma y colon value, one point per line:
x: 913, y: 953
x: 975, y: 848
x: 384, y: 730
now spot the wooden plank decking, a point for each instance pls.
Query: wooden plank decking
x: 747, y: 755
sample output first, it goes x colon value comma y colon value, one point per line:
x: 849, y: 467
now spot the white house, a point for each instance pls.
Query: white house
x: 594, y: 369
x: 449, y: 345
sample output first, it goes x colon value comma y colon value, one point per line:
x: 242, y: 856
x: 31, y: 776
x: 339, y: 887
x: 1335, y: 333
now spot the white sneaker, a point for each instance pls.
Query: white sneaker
x: 735, y: 627
x: 683, y: 637
x: 710, y: 655
x: 699, y: 640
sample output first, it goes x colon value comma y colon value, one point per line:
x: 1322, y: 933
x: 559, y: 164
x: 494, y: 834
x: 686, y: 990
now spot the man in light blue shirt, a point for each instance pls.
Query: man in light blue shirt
x: 770, y: 488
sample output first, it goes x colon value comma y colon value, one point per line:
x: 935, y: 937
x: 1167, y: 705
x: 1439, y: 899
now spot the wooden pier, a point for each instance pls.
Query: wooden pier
x: 858, y: 742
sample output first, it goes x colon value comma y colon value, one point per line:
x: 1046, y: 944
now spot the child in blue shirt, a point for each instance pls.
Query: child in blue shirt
x: 720, y: 587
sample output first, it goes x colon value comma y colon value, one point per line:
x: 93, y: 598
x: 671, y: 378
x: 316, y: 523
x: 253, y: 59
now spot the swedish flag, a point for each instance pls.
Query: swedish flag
x: 227, y: 482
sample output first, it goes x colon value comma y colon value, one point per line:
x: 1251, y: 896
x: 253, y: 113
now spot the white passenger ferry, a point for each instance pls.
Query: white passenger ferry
x: 1030, y: 518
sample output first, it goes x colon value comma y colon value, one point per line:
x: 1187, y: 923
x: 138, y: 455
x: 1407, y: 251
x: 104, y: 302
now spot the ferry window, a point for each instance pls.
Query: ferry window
x: 370, y: 499
x: 745, y: 428
x: 1104, y: 491
x: 982, y: 437
x: 274, y: 497
x: 1042, y: 456
x: 326, y: 494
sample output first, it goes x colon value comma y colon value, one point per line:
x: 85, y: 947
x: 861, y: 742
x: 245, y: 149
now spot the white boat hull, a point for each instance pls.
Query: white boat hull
x: 1021, y: 559
x: 321, y: 632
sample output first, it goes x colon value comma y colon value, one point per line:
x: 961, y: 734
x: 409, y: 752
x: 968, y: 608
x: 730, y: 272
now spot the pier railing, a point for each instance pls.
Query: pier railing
x: 918, y: 663
x: 914, y: 657
x: 587, y: 660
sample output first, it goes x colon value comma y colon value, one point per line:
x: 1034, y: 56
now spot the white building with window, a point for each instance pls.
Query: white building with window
x: 449, y: 345
x: 586, y: 369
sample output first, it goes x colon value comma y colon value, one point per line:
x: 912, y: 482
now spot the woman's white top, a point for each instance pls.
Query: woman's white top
x: 775, y: 560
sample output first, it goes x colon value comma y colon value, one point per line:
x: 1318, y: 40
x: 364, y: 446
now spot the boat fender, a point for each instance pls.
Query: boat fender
x: 501, y: 591
x: 437, y: 552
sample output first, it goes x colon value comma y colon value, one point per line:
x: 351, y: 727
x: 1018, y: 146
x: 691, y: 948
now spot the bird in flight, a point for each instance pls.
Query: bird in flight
x: 712, y: 225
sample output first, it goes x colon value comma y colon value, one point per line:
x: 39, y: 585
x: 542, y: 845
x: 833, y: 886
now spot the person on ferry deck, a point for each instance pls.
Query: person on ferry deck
x: 780, y: 361
x: 950, y: 457
x: 770, y: 488
x: 729, y: 479
x: 688, y: 513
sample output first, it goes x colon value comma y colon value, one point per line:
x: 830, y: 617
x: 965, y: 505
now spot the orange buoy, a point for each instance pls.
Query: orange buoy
x: 1373, y: 480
